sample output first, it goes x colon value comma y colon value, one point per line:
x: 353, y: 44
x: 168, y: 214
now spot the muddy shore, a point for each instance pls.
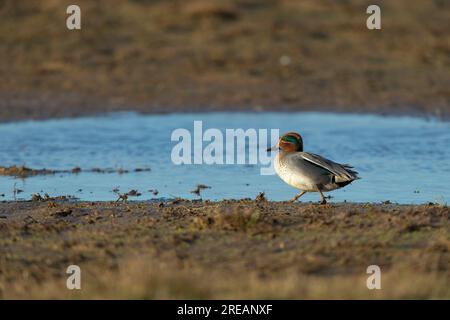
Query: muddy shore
x: 241, y: 55
x: 227, y: 249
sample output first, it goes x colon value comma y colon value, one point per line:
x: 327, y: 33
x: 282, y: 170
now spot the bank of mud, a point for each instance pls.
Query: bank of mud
x: 234, y: 55
x: 227, y: 249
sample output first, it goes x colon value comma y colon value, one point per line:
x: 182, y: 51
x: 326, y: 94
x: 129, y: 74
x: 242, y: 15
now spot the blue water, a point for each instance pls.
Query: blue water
x: 401, y: 159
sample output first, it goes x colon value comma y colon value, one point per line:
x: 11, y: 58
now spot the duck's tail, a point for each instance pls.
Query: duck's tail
x: 348, y: 176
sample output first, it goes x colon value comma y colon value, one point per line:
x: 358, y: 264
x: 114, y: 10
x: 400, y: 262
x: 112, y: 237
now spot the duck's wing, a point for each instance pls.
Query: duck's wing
x: 342, y: 172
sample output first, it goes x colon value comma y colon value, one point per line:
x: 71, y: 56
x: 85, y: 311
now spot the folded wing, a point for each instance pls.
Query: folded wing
x: 342, y: 172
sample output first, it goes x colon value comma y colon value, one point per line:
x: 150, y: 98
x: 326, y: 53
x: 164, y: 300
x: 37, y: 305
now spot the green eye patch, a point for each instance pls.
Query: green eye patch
x: 290, y: 139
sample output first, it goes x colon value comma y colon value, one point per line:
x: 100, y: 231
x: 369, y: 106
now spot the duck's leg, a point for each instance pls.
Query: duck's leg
x: 297, y: 196
x: 322, y: 198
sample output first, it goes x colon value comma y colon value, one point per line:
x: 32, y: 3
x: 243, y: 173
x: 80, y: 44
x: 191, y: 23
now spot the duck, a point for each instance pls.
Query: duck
x: 307, y: 171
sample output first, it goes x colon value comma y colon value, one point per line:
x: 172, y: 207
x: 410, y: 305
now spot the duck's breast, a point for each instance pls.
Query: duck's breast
x: 300, y: 173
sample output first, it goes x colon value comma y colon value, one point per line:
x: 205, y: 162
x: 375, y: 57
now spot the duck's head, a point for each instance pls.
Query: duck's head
x: 289, y: 142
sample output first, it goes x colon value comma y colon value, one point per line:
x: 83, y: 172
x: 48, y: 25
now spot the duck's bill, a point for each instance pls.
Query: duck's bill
x: 272, y: 148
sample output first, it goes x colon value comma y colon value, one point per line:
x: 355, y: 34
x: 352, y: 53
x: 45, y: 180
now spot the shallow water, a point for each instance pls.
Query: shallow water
x: 401, y: 159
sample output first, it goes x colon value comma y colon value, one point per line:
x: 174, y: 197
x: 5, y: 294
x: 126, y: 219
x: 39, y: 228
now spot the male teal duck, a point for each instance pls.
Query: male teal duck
x: 309, y: 172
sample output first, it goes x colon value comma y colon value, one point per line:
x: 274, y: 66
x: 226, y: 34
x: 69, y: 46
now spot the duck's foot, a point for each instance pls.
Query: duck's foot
x: 322, y: 198
x: 297, y: 196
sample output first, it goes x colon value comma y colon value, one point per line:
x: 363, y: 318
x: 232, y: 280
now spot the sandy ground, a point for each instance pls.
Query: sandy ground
x: 228, y: 249
x: 202, y: 55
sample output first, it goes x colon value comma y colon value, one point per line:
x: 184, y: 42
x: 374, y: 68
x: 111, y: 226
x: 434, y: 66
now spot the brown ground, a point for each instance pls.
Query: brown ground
x: 195, y: 55
x: 228, y: 249
x: 25, y: 172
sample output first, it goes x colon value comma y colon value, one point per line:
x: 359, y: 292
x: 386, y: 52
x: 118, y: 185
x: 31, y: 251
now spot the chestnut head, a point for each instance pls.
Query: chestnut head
x: 289, y: 142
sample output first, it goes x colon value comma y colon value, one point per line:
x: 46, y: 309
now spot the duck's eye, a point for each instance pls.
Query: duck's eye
x: 290, y: 139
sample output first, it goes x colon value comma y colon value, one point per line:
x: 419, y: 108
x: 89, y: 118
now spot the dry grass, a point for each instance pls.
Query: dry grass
x: 197, y: 55
x: 228, y: 249
x: 149, y: 279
